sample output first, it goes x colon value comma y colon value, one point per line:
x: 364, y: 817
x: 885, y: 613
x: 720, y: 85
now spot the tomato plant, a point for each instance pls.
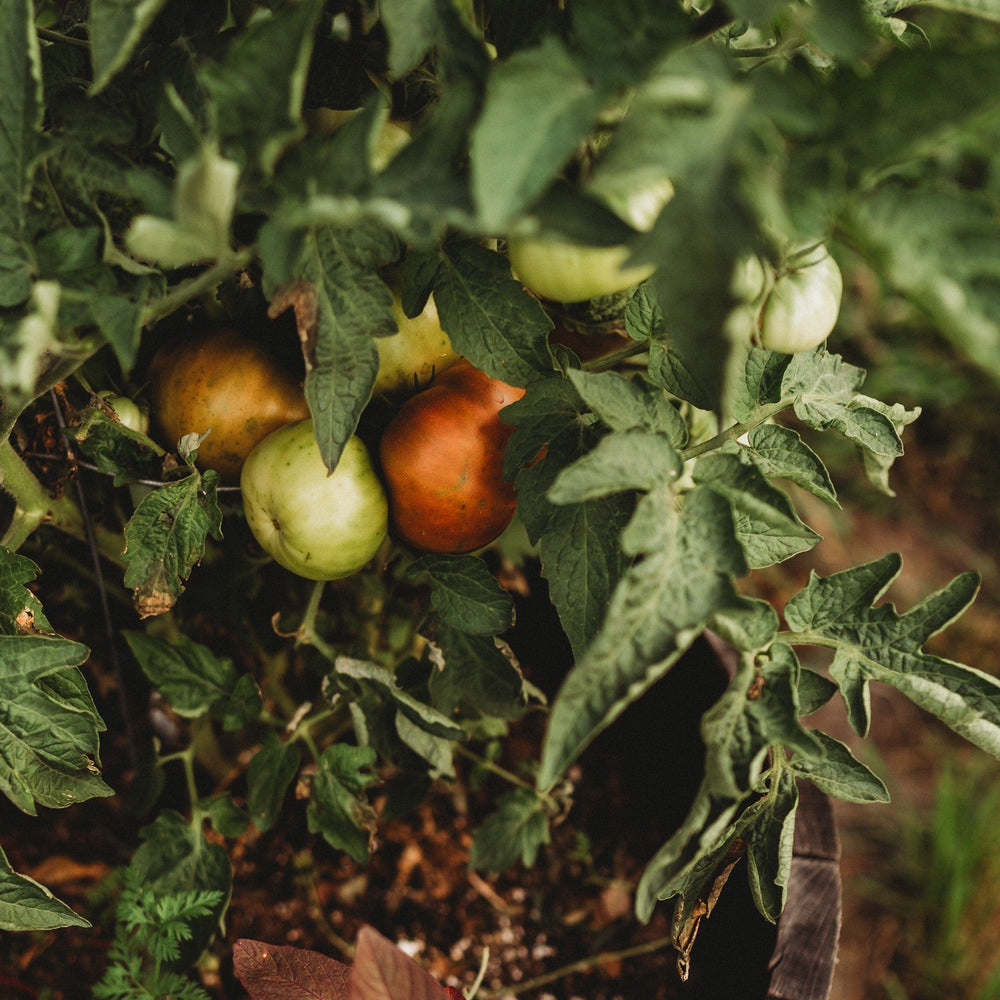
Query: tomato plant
x: 131, y: 414
x: 319, y: 525
x: 223, y: 384
x: 443, y: 461
x: 173, y: 191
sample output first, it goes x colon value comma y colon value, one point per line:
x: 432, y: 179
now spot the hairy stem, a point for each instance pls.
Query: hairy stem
x: 761, y: 416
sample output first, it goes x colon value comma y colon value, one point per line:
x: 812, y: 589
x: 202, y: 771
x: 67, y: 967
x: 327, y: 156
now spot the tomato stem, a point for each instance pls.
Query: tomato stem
x: 732, y: 433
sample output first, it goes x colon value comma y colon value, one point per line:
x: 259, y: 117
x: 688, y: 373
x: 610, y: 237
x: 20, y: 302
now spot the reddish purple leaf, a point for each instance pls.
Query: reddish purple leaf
x: 278, y: 972
x: 382, y: 972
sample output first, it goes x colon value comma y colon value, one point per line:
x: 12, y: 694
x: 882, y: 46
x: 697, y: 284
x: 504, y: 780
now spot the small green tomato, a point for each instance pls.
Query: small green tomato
x: 801, y: 310
x: 130, y: 413
x: 319, y: 525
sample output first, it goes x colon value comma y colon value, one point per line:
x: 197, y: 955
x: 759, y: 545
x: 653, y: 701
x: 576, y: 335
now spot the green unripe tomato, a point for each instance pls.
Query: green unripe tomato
x: 801, y: 309
x: 391, y: 139
x: 130, y: 414
x: 413, y: 355
x: 319, y: 525
x: 573, y: 272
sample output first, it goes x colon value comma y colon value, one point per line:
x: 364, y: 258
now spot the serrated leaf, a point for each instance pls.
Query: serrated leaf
x: 25, y: 905
x: 658, y: 608
x: 380, y: 971
x: 49, y: 746
x: 763, y: 372
x: 344, y: 305
x: 280, y: 972
x: 837, y: 772
x: 192, y: 678
x: 226, y: 817
x: 826, y: 397
x: 420, y: 714
x: 337, y: 809
x: 513, y: 832
x: 766, y: 523
x: 257, y: 89
x: 165, y: 539
x: 877, y: 643
x: 20, y: 610
x: 780, y: 453
x: 466, y: 594
x: 489, y: 317
x: 476, y: 676
x: 176, y: 858
x: 269, y: 774
x: 539, y: 105
x: 622, y: 461
x: 624, y: 403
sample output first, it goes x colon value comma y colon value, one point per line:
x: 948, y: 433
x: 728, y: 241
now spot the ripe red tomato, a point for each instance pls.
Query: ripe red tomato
x: 442, y: 460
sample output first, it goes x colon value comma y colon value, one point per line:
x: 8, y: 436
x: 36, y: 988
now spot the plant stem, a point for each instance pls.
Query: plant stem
x: 187, y: 290
x: 582, y: 965
x: 508, y: 776
x: 761, y: 415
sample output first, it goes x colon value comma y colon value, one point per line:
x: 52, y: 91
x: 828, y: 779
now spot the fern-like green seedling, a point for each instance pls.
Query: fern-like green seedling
x: 148, y: 935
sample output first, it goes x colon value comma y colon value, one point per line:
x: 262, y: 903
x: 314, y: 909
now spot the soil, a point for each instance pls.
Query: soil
x: 516, y: 929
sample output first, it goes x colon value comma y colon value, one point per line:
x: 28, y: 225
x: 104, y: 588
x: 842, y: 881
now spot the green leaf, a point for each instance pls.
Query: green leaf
x: 837, y: 772
x: 424, y: 716
x: 488, y: 316
x: 348, y: 305
x: 466, y: 594
x: 825, y: 393
x: 624, y: 403
x: 658, y: 608
x: 622, y: 461
x: 621, y: 41
x: 257, y: 89
x: 20, y: 610
x: 226, y: 817
x: 476, y: 676
x: 877, y: 643
x: 514, y: 832
x: 165, y: 538
x: 989, y: 10
x: 25, y: 905
x: 21, y: 113
x: 780, y: 453
x: 539, y: 106
x: 761, y: 384
x: 176, y: 858
x: 337, y: 809
x: 941, y: 250
x: 116, y: 449
x: 192, y: 678
x: 766, y: 523
x: 204, y: 200
x: 269, y: 774
x: 115, y: 28
x: 49, y: 747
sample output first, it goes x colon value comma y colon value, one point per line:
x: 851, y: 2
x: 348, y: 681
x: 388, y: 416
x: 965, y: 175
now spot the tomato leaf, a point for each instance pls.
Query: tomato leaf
x: 114, y: 31
x: 20, y: 610
x: 766, y: 523
x: 877, y: 643
x: 20, y: 141
x: 337, y: 809
x: 353, y: 305
x: 25, y: 905
x: 658, y: 607
x: 194, y: 680
x: 280, y: 972
x: 513, y: 832
x: 466, y: 594
x: 539, y: 106
x: 489, y: 317
x: 476, y: 676
x: 839, y: 773
x: 257, y: 89
x: 380, y: 971
x: 269, y: 774
x: 165, y: 538
x: 780, y: 453
x: 49, y: 746
x: 176, y: 858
